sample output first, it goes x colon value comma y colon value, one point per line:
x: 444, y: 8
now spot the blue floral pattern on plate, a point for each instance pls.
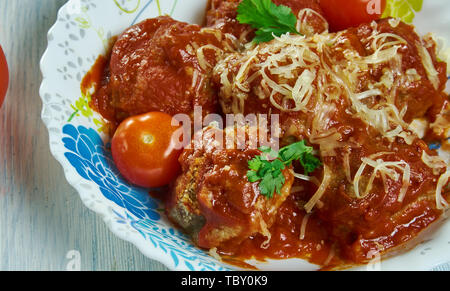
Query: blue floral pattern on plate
x: 173, y: 243
x: 91, y: 158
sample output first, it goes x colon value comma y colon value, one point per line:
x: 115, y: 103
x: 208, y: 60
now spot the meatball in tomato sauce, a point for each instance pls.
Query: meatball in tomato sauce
x: 160, y: 65
x: 222, y: 14
x: 213, y: 201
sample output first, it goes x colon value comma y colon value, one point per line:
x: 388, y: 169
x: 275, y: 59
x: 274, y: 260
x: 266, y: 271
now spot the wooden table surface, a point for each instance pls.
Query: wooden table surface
x: 43, y: 224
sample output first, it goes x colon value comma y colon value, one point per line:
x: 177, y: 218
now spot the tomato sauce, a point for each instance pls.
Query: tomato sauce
x: 286, y: 242
x: 352, y: 229
x: 344, y: 231
x: 157, y: 65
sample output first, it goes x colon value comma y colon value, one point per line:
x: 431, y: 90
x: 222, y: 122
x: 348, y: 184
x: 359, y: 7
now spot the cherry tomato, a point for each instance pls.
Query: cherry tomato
x: 144, y: 149
x: 4, y: 76
x: 343, y: 14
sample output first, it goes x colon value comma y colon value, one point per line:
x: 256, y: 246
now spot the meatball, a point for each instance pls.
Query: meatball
x: 213, y: 201
x: 352, y: 95
x: 222, y: 14
x: 392, y: 64
x: 163, y: 65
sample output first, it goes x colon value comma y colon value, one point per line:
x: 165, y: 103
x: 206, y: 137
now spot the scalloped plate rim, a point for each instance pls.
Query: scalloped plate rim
x: 143, y: 246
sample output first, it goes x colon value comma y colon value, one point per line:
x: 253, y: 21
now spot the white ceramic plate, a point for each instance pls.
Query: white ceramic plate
x: 79, y: 35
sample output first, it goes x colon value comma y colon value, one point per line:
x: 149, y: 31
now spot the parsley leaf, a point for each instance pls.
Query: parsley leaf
x: 270, y: 153
x: 270, y: 173
x: 268, y: 18
x: 295, y: 151
x: 310, y: 163
x: 255, y: 164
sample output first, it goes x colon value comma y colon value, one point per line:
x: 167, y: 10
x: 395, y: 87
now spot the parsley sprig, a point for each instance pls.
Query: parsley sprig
x: 267, y: 168
x: 268, y: 18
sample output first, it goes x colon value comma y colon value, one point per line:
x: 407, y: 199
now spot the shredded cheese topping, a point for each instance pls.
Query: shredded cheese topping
x: 440, y: 201
x: 311, y: 75
x: 213, y: 253
x: 303, y: 226
x: 306, y: 74
x: 204, y: 64
x: 385, y: 170
x: 306, y: 178
x: 304, y: 17
x: 327, y: 175
x: 434, y: 162
x: 265, y: 232
x: 428, y: 65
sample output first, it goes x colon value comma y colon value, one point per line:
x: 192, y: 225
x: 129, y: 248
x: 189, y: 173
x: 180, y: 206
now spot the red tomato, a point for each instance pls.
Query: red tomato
x: 144, y: 150
x: 342, y: 14
x: 4, y: 76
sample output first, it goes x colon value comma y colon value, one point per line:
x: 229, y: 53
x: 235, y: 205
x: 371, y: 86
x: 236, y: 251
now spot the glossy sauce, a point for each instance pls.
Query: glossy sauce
x: 286, y: 242
x: 345, y: 230
x: 153, y: 66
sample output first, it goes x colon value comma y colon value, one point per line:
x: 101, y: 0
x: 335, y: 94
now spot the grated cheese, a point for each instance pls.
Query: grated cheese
x: 327, y: 175
x: 204, y: 64
x: 303, y: 226
x: 434, y: 162
x: 306, y: 178
x: 265, y: 232
x: 443, y: 50
x: 386, y: 170
x: 441, y: 203
x: 213, y: 253
x: 427, y: 62
x: 394, y: 22
x: 295, y: 73
x: 346, y: 158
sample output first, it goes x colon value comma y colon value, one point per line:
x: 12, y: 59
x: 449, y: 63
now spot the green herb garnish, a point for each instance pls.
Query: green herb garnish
x: 268, y: 18
x: 404, y: 9
x: 267, y: 168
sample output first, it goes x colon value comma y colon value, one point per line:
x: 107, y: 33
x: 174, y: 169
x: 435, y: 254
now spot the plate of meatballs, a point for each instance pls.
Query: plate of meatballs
x: 257, y: 134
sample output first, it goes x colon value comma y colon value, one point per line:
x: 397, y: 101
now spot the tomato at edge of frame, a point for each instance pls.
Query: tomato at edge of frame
x: 4, y: 76
x: 351, y: 13
x: 144, y: 150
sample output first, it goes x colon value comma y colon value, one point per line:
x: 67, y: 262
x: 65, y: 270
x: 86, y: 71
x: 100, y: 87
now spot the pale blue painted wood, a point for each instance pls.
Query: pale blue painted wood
x: 41, y: 217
